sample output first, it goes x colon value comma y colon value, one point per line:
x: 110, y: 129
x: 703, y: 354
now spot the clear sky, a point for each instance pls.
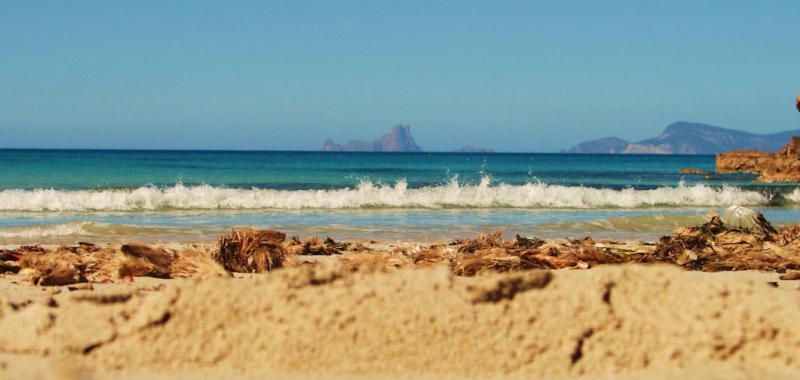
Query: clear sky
x: 514, y: 76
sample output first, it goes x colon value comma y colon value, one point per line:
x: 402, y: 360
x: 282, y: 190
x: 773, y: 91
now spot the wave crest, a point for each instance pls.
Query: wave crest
x: 371, y: 195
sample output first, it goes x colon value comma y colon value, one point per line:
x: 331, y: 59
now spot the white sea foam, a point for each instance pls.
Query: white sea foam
x: 794, y: 196
x: 371, y: 195
x: 47, y: 230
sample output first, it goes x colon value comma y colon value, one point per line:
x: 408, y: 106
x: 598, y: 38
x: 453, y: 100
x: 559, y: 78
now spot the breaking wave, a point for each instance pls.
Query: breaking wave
x: 372, y: 195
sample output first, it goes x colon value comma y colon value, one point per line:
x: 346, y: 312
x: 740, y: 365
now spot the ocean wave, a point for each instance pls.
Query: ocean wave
x: 372, y: 195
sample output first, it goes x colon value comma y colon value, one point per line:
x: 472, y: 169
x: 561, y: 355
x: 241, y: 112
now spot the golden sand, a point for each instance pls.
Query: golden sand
x: 324, y: 321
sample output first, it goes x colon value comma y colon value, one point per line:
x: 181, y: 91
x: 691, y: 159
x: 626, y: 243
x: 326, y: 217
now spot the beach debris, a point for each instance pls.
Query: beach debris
x: 56, y: 276
x: 195, y: 263
x: 9, y: 255
x: 52, y: 268
x: 740, y: 239
x: 9, y: 260
x: 83, y: 286
x: 750, y: 243
x: 67, y: 265
x: 143, y: 260
x: 30, y: 249
x: 437, y: 254
x: 163, y: 263
x: 790, y: 276
x: 251, y: 251
x: 746, y: 219
x: 316, y: 246
x: 64, y: 265
x: 489, y: 253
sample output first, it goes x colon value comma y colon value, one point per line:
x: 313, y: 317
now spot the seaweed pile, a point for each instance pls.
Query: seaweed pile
x: 743, y: 240
x: 713, y: 246
x: 719, y: 246
x: 316, y: 246
x: 251, y: 251
x: 491, y: 253
x: 86, y: 262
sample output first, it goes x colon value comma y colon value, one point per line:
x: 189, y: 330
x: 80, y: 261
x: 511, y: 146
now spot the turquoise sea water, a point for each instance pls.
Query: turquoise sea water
x: 65, y: 195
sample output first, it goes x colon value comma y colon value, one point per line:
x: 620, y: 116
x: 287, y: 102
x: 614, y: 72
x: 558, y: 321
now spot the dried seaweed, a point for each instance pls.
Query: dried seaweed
x: 316, y: 246
x: 716, y: 246
x: 251, y: 251
x: 53, y: 268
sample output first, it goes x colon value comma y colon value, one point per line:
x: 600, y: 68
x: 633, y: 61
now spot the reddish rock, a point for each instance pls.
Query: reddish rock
x: 693, y: 171
x: 781, y: 166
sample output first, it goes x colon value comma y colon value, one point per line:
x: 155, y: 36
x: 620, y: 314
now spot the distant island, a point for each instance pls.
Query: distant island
x: 399, y: 139
x: 472, y: 149
x: 688, y: 138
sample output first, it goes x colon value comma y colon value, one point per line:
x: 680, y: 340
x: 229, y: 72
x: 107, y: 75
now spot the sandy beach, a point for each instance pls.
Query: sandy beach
x: 390, y: 310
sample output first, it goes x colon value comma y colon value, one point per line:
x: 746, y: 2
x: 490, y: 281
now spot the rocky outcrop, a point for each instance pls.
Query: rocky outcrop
x: 693, y: 171
x: 781, y: 166
x: 399, y: 139
x: 688, y: 138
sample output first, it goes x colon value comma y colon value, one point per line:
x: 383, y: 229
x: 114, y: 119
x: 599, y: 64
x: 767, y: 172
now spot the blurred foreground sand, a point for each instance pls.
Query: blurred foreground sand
x: 324, y: 321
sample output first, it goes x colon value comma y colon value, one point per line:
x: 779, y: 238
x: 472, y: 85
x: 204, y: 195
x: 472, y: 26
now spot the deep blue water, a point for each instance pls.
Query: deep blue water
x: 97, y: 169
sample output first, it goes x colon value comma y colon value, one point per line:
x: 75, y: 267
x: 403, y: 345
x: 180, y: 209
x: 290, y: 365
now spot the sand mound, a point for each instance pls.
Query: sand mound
x: 324, y: 319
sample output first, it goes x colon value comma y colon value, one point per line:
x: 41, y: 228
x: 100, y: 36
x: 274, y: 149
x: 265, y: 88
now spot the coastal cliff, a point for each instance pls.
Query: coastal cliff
x: 781, y: 166
x: 399, y: 139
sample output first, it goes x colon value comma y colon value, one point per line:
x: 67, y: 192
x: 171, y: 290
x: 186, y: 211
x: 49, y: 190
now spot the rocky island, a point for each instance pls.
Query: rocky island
x: 472, y: 149
x: 399, y: 139
x: 688, y: 138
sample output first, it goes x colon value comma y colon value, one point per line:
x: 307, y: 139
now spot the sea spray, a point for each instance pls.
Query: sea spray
x: 371, y: 195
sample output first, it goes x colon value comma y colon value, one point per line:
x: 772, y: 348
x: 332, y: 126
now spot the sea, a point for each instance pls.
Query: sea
x: 63, y: 196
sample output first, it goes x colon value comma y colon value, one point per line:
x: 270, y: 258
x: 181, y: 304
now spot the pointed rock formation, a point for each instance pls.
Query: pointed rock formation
x: 399, y: 139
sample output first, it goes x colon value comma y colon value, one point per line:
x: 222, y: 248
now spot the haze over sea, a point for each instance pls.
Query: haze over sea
x: 50, y: 195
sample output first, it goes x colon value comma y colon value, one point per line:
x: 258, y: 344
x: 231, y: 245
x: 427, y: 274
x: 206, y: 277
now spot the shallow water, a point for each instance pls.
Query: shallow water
x: 63, y: 196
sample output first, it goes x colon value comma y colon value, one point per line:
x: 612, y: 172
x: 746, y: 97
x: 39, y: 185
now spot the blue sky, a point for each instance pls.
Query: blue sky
x: 514, y: 76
